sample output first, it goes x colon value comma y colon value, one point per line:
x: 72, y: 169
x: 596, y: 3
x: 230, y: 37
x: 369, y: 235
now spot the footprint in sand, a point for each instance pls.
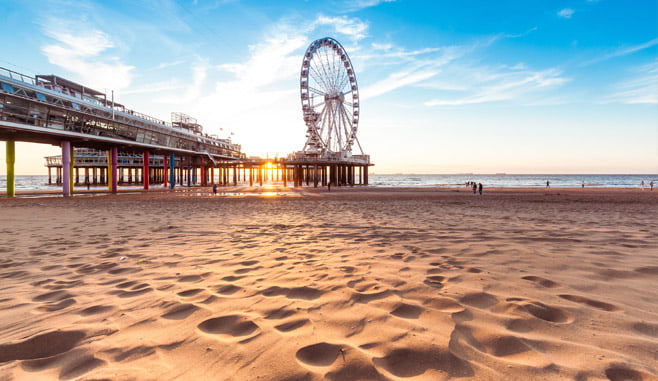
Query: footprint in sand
x: 435, y: 281
x: 231, y: 325
x: 407, y: 311
x: 547, y: 313
x: 228, y: 289
x: 293, y: 325
x: 646, y: 329
x: 542, y: 281
x: 411, y: 362
x: 189, y: 278
x: 190, y: 293
x: 303, y: 293
x: 94, y: 310
x: 279, y: 313
x: 180, y: 312
x: 619, y: 372
x: 479, y: 300
x: 592, y: 303
x: 321, y: 354
x: 40, y: 346
x: 135, y: 290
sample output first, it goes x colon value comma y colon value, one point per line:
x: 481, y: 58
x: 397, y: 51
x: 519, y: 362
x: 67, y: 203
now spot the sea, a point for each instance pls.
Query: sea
x: 40, y: 183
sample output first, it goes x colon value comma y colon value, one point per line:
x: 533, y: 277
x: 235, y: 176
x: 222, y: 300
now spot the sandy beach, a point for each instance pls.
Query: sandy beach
x: 356, y: 284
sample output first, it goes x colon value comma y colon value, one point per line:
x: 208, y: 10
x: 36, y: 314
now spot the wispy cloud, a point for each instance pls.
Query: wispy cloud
x: 566, y: 13
x: 623, y: 51
x: 353, y: 28
x: 503, y: 85
x: 641, y: 88
x: 356, y: 5
x: 84, y: 51
x: 411, y: 67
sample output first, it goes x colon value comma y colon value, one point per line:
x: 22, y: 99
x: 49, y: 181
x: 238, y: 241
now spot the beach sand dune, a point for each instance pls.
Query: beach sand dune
x: 356, y: 284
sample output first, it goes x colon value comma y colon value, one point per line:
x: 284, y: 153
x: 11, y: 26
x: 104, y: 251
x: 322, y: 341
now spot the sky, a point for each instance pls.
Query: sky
x: 559, y: 86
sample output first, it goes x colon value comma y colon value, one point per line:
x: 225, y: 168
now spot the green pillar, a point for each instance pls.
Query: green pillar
x: 11, y: 160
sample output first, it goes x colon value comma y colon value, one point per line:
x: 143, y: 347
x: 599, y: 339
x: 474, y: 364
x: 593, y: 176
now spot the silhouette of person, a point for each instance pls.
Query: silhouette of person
x: 480, y: 188
x: 475, y: 187
x: 548, y: 184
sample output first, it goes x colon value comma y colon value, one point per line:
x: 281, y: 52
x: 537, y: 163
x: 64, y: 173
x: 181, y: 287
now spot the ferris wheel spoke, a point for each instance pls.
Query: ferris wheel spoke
x: 318, y: 78
x: 313, y: 89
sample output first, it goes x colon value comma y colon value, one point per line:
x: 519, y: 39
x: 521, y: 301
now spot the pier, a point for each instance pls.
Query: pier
x: 104, y: 142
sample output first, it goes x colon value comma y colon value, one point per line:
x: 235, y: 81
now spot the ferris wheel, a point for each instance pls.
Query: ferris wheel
x: 330, y: 98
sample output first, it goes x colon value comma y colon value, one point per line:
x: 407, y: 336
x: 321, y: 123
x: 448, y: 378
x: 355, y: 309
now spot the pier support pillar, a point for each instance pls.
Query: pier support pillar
x: 172, y: 172
x: 72, y: 180
x: 145, y: 170
x: 365, y: 175
x: 11, y: 160
x: 108, y: 171
x: 66, y: 169
x: 114, y: 159
x: 164, y: 170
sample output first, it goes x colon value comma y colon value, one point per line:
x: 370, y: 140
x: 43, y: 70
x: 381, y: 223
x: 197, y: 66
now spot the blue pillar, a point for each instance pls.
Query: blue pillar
x: 172, y: 175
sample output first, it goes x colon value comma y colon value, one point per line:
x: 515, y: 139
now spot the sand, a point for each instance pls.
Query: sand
x: 356, y: 284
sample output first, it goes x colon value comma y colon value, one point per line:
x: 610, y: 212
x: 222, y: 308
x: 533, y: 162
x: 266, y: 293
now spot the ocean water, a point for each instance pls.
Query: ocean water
x: 39, y: 183
x: 513, y: 181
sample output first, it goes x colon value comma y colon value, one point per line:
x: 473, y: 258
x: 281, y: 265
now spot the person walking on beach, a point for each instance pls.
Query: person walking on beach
x: 214, y: 188
x: 475, y: 187
x: 480, y: 188
x: 583, y: 184
x: 548, y: 184
x: 642, y: 184
x: 651, y: 185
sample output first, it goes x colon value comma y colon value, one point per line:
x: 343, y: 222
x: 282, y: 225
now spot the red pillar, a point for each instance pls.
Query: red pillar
x: 145, y: 170
x: 164, y: 169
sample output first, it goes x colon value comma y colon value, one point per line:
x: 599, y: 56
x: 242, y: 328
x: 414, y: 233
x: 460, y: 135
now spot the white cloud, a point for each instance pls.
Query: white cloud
x: 642, y: 88
x: 623, y: 51
x: 83, y: 51
x: 356, y: 5
x: 395, y: 81
x: 501, y: 86
x: 351, y: 27
x: 566, y: 13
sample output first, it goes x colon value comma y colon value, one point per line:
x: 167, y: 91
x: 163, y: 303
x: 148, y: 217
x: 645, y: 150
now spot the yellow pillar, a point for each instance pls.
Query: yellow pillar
x: 11, y: 160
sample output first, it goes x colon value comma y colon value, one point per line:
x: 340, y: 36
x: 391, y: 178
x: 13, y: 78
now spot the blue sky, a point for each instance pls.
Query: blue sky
x: 446, y: 86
